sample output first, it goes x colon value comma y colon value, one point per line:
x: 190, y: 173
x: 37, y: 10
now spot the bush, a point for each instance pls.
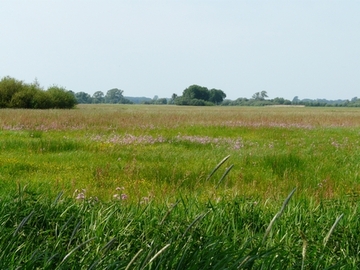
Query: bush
x: 42, y: 100
x: 60, y: 98
x: 197, y: 102
x: 17, y: 94
x: 8, y: 88
x: 23, y: 99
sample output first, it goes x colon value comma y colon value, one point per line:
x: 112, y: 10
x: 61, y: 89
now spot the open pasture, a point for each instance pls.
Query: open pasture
x: 143, y: 187
x: 154, y: 150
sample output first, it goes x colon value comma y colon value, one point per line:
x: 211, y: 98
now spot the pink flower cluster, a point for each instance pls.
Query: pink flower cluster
x: 121, y: 196
x: 267, y: 124
x: 129, y: 139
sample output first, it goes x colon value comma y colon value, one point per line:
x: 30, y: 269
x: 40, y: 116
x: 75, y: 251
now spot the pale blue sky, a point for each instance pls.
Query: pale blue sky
x: 309, y: 49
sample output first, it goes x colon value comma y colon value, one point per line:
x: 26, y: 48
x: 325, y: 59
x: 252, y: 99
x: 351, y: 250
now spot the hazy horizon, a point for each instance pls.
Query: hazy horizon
x: 308, y: 49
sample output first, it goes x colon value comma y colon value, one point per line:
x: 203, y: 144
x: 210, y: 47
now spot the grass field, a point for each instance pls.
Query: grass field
x: 167, y: 187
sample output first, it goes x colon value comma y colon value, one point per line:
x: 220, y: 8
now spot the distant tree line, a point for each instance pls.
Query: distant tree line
x: 17, y: 94
x: 112, y: 96
x: 199, y: 96
x: 354, y: 102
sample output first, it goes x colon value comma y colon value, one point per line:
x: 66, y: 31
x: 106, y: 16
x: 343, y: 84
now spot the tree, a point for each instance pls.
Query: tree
x: 260, y: 95
x: 196, y: 92
x: 125, y: 101
x: 17, y: 94
x: 279, y: 100
x: 8, y: 88
x: 199, y: 96
x: 26, y: 96
x: 60, y: 98
x: 98, y: 97
x: 263, y: 94
x: 83, y: 98
x: 114, y: 95
x: 256, y: 96
x: 173, y: 97
x: 216, y: 96
x: 42, y: 100
x: 295, y: 100
x: 162, y: 101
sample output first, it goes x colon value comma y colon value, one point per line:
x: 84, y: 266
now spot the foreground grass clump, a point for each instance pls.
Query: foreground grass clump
x: 183, y: 233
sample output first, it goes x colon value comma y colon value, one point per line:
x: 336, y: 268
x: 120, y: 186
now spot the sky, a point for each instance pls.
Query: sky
x: 304, y: 48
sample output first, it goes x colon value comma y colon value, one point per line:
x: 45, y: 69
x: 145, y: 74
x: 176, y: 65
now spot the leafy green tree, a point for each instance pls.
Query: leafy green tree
x: 196, y: 92
x: 172, y: 100
x: 296, y: 100
x: 114, y: 95
x: 197, y: 102
x: 83, y: 98
x: 216, y: 96
x: 124, y: 100
x: 42, y: 100
x: 162, y: 101
x: 98, y: 97
x: 181, y: 101
x: 23, y: 99
x: 60, y: 98
x: 279, y: 100
x: 263, y: 95
x: 17, y: 94
x: 8, y: 88
x: 256, y: 96
x: 260, y: 95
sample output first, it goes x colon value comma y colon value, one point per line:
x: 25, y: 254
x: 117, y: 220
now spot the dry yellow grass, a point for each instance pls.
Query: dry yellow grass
x: 130, y: 117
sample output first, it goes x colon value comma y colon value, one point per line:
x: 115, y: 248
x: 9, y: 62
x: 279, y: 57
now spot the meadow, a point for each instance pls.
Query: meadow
x: 169, y: 187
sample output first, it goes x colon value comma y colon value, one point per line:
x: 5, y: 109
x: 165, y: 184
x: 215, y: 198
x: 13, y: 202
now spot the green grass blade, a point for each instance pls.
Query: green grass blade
x: 224, y: 175
x: 217, y: 167
x: 74, y: 232
x: 58, y: 197
x: 23, y: 222
x: 278, y: 214
x: 133, y: 259
x: 156, y: 255
x: 168, y: 212
x: 326, y: 239
x: 199, y: 217
x: 75, y: 249
x: 108, y: 245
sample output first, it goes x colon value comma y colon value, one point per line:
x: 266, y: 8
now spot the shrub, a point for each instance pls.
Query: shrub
x: 17, y: 94
x: 23, y: 99
x: 60, y: 98
x: 8, y: 88
x: 42, y: 100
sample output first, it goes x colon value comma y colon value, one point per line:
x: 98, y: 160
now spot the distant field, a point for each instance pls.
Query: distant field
x: 155, y: 150
x: 168, y: 187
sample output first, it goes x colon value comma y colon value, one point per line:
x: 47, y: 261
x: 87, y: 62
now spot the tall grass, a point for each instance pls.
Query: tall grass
x: 56, y: 233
